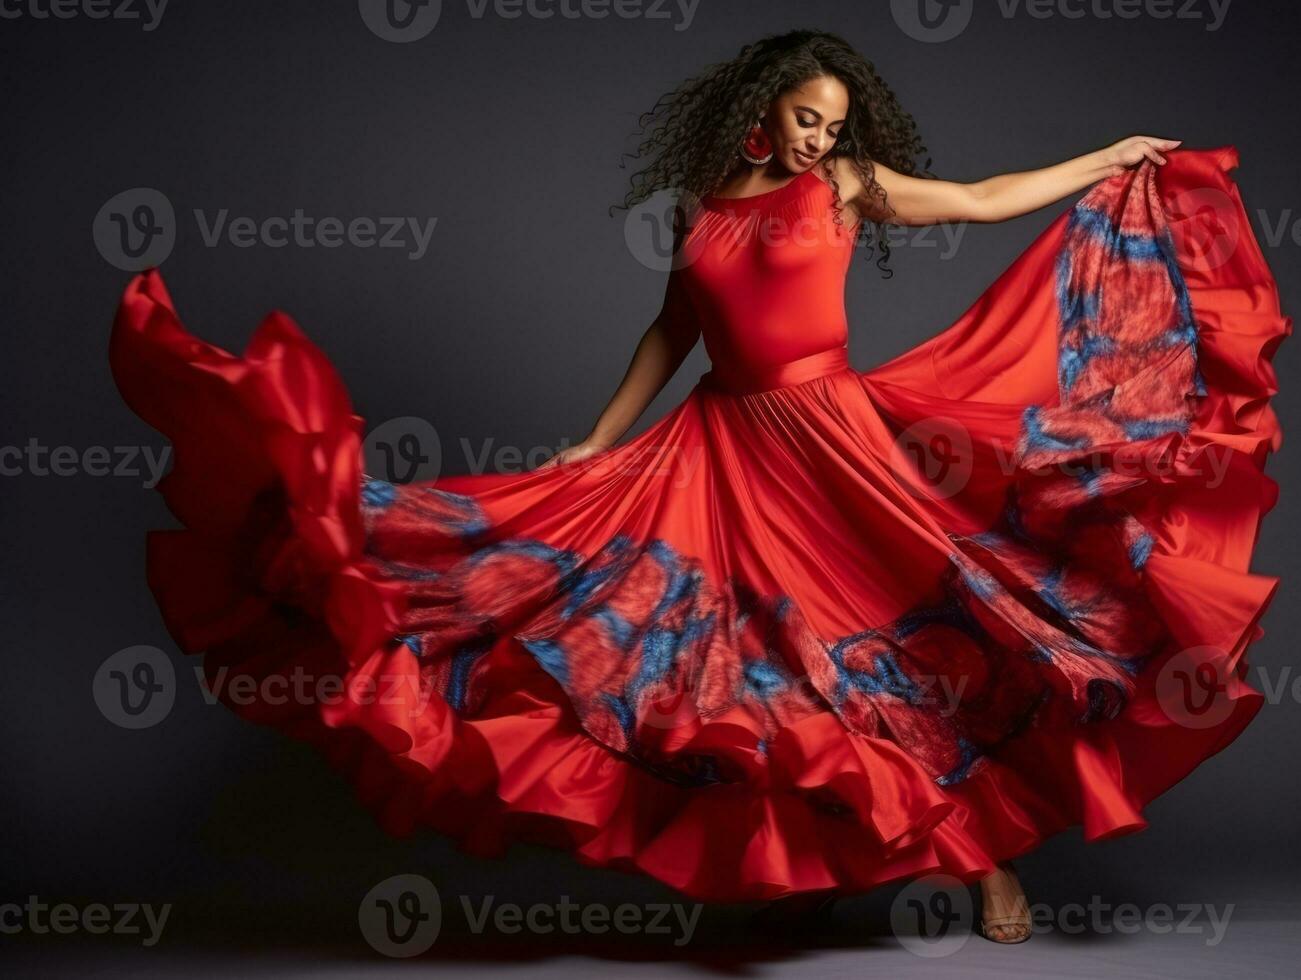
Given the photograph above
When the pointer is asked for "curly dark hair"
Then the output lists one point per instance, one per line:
(697, 129)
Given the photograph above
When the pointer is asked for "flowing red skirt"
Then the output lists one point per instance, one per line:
(857, 627)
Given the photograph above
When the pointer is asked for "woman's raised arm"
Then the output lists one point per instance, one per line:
(924, 201)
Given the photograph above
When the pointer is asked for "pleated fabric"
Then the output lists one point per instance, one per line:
(815, 627)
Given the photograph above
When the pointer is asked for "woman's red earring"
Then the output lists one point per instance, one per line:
(757, 148)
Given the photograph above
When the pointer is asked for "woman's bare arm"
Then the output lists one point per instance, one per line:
(922, 201)
(660, 352)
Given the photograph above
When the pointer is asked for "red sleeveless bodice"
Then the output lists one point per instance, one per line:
(764, 277)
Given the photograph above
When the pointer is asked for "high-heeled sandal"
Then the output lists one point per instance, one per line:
(1021, 919)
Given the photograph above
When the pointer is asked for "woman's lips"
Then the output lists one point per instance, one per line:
(805, 158)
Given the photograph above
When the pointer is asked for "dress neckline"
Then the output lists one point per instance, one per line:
(754, 201)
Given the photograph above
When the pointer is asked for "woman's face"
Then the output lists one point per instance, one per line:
(803, 123)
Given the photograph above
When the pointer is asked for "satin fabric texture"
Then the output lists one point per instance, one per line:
(814, 628)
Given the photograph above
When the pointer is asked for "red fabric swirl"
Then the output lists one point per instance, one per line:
(279, 567)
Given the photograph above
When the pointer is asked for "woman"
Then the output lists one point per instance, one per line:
(815, 629)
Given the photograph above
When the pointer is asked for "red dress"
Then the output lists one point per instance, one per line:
(815, 627)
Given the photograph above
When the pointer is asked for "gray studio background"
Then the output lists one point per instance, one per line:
(512, 329)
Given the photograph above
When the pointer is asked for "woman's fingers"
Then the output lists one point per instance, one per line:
(571, 454)
(1149, 147)
(1157, 145)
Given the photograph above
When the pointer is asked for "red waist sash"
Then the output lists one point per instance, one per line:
(738, 379)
